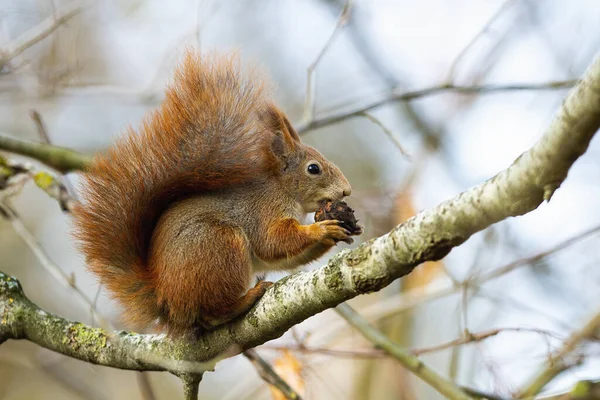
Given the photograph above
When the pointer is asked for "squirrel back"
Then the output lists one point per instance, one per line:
(208, 134)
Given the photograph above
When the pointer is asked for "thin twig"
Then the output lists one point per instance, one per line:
(39, 32)
(43, 132)
(474, 39)
(61, 276)
(377, 353)
(345, 353)
(559, 361)
(410, 362)
(535, 258)
(433, 90)
(95, 302)
(269, 375)
(40, 125)
(309, 105)
(474, 338)
(388, 132)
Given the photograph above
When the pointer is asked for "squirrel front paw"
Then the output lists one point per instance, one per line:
(331, 232)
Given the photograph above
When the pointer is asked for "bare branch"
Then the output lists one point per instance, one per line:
(309, 106)
(65, 194)
(377, 353)
(270, 376)
(451, 71)
(60, 158)
(191, 383)
(389, 133)
(433, 90)
(562, 359)
(412, 363)
(21, 319)
(40, 125)
(474, 338)
(39, 32)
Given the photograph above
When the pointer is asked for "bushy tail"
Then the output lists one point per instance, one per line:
(206, 135)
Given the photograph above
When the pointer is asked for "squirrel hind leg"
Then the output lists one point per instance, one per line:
(202, 278)
(241, 307)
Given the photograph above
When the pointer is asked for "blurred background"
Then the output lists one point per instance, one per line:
(90, 69)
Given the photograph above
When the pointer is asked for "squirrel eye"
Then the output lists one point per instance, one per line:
(313, 169)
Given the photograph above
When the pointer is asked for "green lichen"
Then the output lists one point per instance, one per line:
(252, 319)
(81, 336)
(334, 279)
(43, 180)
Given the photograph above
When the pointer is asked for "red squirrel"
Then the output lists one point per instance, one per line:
(177, 217)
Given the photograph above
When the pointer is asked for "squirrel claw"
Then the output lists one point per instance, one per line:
(333, 232)
(263, 285)
(358, 231)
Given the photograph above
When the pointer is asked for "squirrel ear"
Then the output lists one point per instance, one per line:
(280, 124)
(279, 147)
(285, 139)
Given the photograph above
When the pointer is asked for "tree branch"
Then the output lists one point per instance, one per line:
(60, 158)
(433, 90)
(268, 375)
(410, 362)
(39, 32)
(191, 383)
(309, 102)
(22, 319)
(561, 361)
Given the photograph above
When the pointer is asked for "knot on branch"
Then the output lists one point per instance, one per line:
(436, 248)
(10, 294)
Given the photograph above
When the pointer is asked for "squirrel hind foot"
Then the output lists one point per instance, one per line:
(208, 323)
(243, 305)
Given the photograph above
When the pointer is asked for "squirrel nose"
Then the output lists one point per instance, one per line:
(346, 192)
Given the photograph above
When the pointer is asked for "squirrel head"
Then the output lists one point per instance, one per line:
(306, 175)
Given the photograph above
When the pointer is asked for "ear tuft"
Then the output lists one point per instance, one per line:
(277, 121)
(285, 140)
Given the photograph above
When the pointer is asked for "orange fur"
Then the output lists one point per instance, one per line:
(176, 217)
(204, 136)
